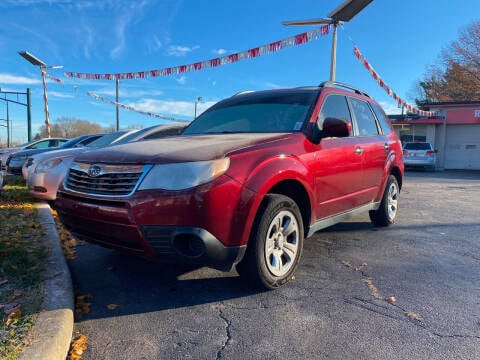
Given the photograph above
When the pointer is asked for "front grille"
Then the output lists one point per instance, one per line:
(104, 179)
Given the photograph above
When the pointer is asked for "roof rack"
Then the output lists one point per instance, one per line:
(346, 86)
(242, 92)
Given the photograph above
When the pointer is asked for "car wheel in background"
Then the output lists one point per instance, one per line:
(275, 244)
(387, 212)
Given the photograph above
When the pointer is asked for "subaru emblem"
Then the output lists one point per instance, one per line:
(94, 171)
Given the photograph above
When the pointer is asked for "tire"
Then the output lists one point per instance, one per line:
(275, 245)
(388, 210)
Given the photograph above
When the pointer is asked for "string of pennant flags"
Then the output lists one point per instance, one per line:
(131, 108)
(60, 81)
(387, 88)
(272, 47)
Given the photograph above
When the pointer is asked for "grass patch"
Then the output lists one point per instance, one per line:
(22, 261)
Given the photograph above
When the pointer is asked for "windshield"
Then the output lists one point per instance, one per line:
(264, 112)
(70, 143)
(106, 139)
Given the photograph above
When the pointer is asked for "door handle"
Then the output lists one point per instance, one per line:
(358, 150)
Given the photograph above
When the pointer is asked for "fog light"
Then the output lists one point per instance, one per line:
(189, 245)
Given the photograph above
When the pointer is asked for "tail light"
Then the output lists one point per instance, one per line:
(430, 153)
(405, 152)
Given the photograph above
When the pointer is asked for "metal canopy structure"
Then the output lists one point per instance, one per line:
(43, 68)
(343, 13)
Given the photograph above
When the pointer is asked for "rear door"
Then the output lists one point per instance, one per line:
(372, 144)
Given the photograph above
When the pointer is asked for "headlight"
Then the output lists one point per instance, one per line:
(18, 158)
(46, 165)
(181, 176)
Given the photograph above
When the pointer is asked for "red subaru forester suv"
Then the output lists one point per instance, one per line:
(245, 182)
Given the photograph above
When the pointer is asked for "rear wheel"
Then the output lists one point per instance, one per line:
(387, 212)
(275, 244)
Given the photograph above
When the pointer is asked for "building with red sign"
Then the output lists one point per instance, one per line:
(454, 132)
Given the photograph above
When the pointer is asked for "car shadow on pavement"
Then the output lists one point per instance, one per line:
(135, 285)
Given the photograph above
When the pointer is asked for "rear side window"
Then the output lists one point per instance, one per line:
(334, 106)
(365, 120)
(382, 119)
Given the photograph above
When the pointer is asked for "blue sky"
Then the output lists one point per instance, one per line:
(400, 39)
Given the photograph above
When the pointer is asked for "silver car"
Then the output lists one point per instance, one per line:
(48, 170)
(419, 154)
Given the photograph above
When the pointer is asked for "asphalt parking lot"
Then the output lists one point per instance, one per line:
(339, 306)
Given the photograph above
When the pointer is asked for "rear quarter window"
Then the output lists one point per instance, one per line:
(382, 119)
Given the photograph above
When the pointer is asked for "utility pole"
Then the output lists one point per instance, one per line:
(17, 101)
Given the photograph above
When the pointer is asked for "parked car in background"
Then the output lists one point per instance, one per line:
(154, 132)
(48, 170)
(36, 144)
(419, 154)
(16, 159)
(243, 184)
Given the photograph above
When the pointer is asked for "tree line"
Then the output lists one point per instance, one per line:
(456, 75)
(67, 127)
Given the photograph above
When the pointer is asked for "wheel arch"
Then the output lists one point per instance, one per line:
(297, 192)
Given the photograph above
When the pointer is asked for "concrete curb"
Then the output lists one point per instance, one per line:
(52, 331)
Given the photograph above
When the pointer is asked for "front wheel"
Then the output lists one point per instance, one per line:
(387, 212)
(275, 244)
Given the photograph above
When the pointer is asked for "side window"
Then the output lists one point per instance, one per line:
(40, 145)
(365, 120)
(382, 119)
(334, 106)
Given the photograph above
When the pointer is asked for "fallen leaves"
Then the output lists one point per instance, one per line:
(77, 347)
(413, 316)
(373, 289)
(68, 242)
(112, 306)
(375, 292)
(82, 306)
(390, 299)
(22, 259)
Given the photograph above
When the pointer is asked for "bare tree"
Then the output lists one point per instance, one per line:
(69, 128)
(457, 76)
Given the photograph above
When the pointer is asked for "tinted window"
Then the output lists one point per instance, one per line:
(334, 106)
(417, 146)
(40, 145)
(267, 112)
(382, 119)
(365, 121)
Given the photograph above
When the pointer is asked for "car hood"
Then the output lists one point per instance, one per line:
(31, 152)
(59, 153)
(178, 149)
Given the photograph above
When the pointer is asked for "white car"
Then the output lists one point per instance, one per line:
(36, 144)
(48, 170)
(419, 154)
(45, 171)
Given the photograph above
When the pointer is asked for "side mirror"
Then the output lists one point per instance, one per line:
(332, 127)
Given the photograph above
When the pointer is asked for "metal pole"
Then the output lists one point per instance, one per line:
(29, 116)
(8, 127)
(116, 105)
(47, 116)
(334, 53)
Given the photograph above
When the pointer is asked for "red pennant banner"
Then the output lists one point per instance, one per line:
(130, 108)
(54, 79)
(384, 86)
(229, 59)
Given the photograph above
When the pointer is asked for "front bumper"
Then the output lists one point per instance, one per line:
(203, 226)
